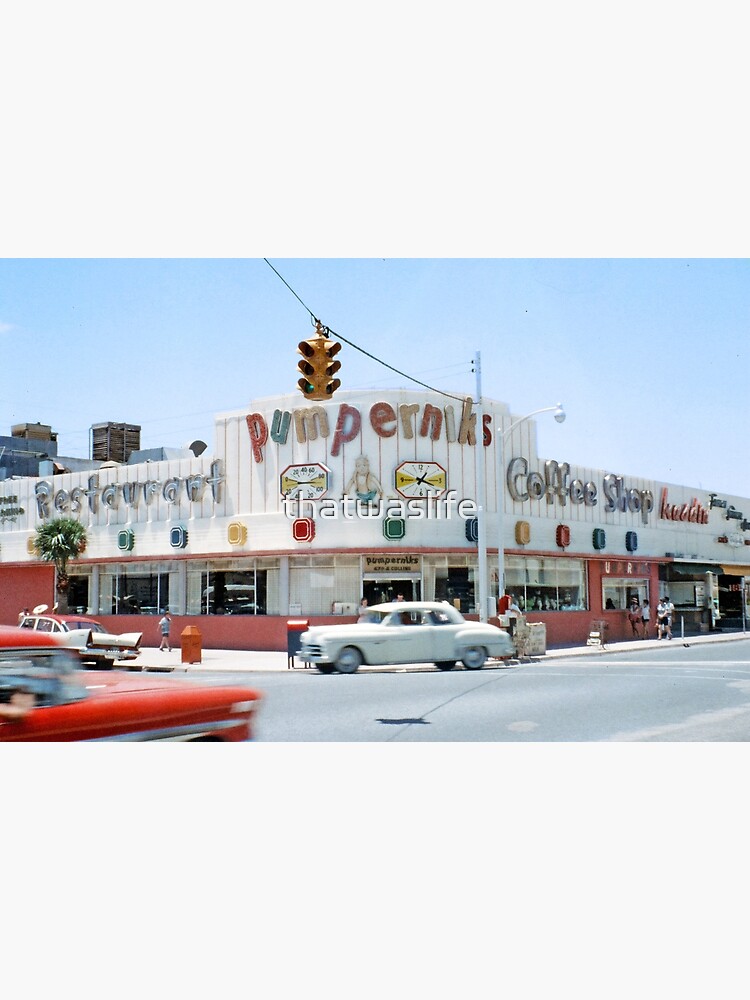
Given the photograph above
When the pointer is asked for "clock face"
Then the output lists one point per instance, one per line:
(304, 482)
(421, 479)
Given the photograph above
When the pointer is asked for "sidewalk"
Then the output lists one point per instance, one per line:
(257, 661)
(630, 645)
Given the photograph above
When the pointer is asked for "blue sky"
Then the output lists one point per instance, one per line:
(649, 356)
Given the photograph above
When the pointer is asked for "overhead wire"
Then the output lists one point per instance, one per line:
(315, 320)
(356, 347)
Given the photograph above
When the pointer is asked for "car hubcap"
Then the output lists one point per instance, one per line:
(349, 661)
(474, 658)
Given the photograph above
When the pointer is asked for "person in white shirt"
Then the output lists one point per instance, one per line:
(670, 615)
(364, 611)
(664, 611)
(513, 613)
(645, 618)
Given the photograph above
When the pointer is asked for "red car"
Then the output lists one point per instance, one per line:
(46, 697)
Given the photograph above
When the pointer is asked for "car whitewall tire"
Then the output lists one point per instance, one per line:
(474, 657)
(349, 660)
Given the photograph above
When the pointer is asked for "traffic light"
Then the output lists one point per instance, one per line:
(318, 366)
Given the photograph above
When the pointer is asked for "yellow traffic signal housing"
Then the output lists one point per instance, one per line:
(318, 366)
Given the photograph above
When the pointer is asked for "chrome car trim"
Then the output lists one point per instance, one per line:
(170, 734)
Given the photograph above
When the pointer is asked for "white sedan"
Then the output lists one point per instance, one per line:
(94, 644)
(404, 632)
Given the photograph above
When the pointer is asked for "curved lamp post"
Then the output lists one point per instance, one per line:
(559, 417)
(483, 597)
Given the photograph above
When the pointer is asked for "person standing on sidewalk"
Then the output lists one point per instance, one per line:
(364, 611)
(645, 618)
(670, 614)
(635, 617)
(164, 625)
(661, 618)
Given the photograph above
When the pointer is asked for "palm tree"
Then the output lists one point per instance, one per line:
(58, 541)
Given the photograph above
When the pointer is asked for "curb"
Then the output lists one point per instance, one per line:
(274, 661)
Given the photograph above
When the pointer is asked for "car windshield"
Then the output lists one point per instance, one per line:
(415, 616)
(48, 673)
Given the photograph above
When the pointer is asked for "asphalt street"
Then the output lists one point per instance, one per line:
(271, 661)
(639, 691)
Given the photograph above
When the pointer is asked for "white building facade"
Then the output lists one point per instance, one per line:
(301, 509)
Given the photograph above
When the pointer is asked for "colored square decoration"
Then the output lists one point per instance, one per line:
(125, 540)
(562, 535)
(394, 528)
(178, 537)
(599, 538)
(523, 533)
(303, 529)
(237, 533)
(472, 529)
(631, 541)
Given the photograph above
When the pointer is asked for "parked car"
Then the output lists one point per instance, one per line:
(404, 632)
(94, 644)
(45, 696)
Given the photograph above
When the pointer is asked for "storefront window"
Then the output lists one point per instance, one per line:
(233, 592)
(546, 584)
(134, 593)
(232, 587)
(618, 592)
(324, 585)
(455, 584)
(78, 595)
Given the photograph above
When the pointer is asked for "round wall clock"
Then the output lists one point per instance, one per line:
(421, 479)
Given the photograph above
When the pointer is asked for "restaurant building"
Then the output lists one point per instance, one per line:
(299, 509)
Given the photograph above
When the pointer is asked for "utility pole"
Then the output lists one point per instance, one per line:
(482, 580)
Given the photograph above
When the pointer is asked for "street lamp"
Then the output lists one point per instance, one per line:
(501, 436)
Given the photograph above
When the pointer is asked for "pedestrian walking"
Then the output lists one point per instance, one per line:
(364, 611)
(634, 617)
(645, 618)
(164, 625)
(661, 618)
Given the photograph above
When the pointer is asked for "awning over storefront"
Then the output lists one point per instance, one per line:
(736, 570)
(693, 569)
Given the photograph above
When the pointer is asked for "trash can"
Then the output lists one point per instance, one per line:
(537, 642)
(190, 644)
(597, 633)
(294, 629)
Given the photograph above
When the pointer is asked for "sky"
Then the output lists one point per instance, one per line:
(649, 357)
